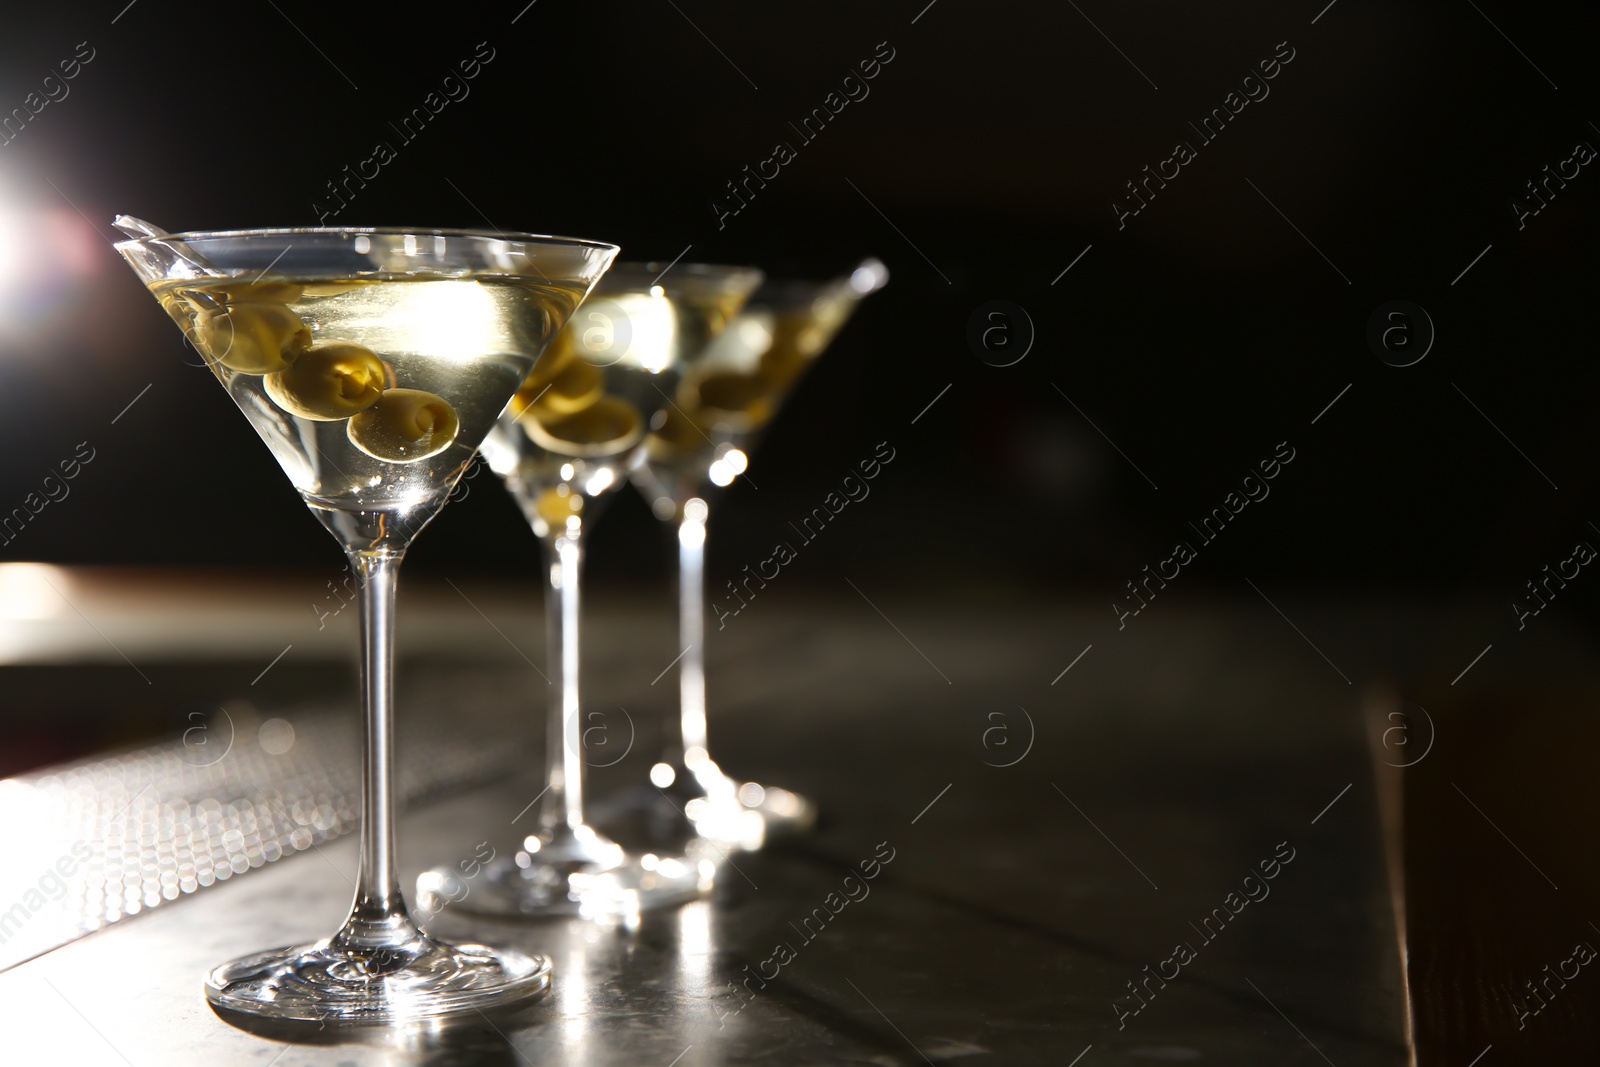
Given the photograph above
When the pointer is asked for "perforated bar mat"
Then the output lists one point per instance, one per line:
(94, 842)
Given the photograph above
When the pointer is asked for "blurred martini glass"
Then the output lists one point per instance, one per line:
(565, 443)
(372, 362)
(702, 442)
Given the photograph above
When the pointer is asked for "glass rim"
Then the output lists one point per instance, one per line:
(796, 291)
(515, 236)
(787, 292)
(702, 270)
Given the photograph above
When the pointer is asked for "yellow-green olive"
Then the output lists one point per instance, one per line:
(404, 426)
(557, 504)
(608, 426)
(797, 338)
(551, 362)
(263, 293)
(674, 433)
(329, 381)
(574, 387)
(782, 363)
(251, 338)
(745, 400)
(333, 288)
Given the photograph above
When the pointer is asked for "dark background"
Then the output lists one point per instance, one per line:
(1220, 321)
(1196, 338)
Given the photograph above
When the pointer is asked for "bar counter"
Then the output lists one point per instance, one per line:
(1165, 843)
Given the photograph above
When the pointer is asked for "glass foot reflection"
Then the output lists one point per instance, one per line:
(328, 983)
(723, 811)
(783, 812)
(571, 872)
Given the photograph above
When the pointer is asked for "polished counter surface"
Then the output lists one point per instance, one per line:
(1168, 851)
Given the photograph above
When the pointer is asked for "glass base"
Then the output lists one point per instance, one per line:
(784, 813)
(707, 803)
(570, 872)
(323, 983)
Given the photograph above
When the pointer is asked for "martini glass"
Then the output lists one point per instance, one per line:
(702, 442)
(563, 445)
(372, 362)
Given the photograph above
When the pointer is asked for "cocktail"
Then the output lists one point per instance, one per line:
(372, 362)
(701, 442)
(563, 445)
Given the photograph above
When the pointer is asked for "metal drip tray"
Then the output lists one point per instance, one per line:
(236, 792)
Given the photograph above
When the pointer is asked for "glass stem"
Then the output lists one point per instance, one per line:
(378, 918)
(691, 634)
(563, 801)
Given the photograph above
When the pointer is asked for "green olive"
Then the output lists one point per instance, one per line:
(674, 433)
(405, 425)
(551, 363)
(264, 293)
(252, 338)
(556, 505)
(797, 338)
(746, 399)
(574, 387)
(783, 362)
(606, 427)
(329, 382)
(333, 288)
